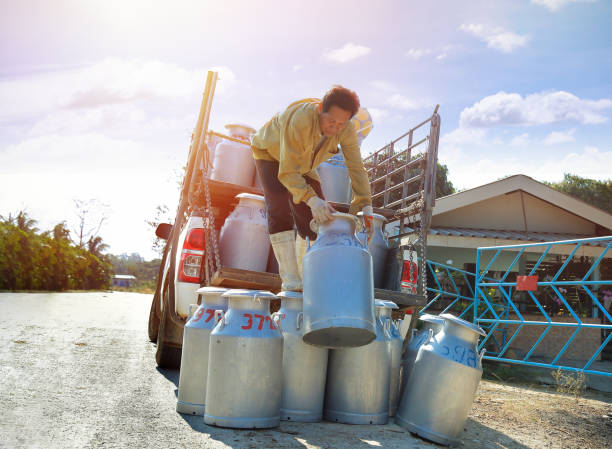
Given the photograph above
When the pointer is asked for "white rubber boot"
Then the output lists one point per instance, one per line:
(283, 244)
(300, 251)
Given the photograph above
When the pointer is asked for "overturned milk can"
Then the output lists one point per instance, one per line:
(244, 242)
(377, 247)
(433, 322)
(245, 364)
(194, 358)
(357, 389)
(338, 286)
(233, 159)
(304, 366)
(443, 383)
(335, 180)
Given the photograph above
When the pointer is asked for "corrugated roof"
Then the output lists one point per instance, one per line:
(124, 276)
(506, 235)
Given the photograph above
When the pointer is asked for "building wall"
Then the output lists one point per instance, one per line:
(505, 212)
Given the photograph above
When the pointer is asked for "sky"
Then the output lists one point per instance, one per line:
(98, 99)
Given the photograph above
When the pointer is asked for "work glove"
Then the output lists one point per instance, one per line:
(368, 221)
(321, 210)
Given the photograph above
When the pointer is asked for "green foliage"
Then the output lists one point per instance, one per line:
(145, 271)
(443, 185)
(47, 261)
(592, 191)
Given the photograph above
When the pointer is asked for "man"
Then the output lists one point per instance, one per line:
(287, 150)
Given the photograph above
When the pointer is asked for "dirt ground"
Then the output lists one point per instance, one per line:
(77, 370)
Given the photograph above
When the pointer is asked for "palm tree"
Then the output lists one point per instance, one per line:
(22, 221)
(95, 246)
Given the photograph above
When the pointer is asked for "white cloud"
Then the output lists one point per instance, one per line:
(402, 102)
(557, 137)
(297, 68)
(469, 171)
(377, 114)
(495, 37)
(535, 109)
(555, 5)
(418, 53)
(108, 82)
(520, 141)
(347, 53)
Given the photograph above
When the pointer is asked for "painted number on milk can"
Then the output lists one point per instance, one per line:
(459, 355)
(261, 318)
(198, 315)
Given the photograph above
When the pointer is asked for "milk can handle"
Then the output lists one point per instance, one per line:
(219, 316)
(276, 318)
(482, 353)
(299, 320)
(431, 334)
(387, 328)
(192, 307)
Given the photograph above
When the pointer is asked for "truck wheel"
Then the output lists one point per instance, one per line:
(167, 355)
(153, 320)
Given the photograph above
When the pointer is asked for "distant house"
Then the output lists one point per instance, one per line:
(123, 280)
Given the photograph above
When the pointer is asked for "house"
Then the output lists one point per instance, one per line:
(520, 210)
(123, 280)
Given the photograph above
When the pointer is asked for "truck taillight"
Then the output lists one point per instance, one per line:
(191, 257)
(195, 239)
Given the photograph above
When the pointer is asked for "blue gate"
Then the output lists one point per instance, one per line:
(562, 320)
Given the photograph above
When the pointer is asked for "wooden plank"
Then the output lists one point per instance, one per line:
(251, 280)
(401, 299)
(223, 194)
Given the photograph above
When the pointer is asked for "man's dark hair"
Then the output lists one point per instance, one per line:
(343, 98)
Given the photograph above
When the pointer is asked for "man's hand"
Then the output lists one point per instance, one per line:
(321, 210)
(368, 221)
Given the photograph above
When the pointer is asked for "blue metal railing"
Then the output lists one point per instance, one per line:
(453, 292)
(555, 286)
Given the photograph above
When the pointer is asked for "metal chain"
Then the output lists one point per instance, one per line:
(210, 225)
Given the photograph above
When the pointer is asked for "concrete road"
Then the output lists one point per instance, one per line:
(77, 371)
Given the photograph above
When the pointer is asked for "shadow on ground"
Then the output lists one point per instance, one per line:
(477, 436)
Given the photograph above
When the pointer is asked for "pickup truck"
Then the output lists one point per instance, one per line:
(402, 176)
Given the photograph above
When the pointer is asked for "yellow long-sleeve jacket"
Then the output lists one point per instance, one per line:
(291, 138)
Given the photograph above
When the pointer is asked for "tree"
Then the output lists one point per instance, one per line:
(443, 185)
(592, 191)
(91, 216)
(162, 215)
(95, 246)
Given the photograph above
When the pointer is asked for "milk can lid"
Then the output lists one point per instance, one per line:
(376, 216)
(250, 196)
(211, 290)
(459, 321)
(379, 303)
(431, 318)
(238, 292)
(290, 295)
(390, 304)
(339, 215)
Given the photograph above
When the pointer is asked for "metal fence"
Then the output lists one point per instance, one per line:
(561, 312)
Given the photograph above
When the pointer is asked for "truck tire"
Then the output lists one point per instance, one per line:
(153, 320)
(168, 354)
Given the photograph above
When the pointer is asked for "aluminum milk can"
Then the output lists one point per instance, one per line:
(358, 379)
(194, 358)
(304, 366)
(245, 364)
(335, 180)
(338, 286)
(429, 322)
(395, 350)
(443, 383)
(377, 247)
(244, 241)
(233, 161)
